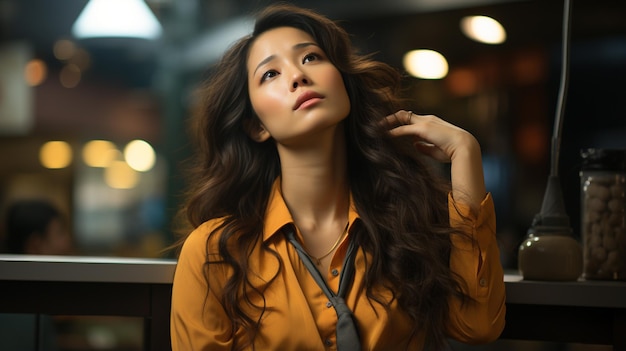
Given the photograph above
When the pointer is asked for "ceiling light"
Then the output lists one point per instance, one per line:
(116, 19)
(483, 29)
(426, 64)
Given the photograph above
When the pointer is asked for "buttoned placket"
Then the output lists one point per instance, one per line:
(335, 289)
(327, 309)
(332, 280)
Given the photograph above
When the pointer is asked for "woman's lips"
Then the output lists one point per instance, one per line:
(306, 99)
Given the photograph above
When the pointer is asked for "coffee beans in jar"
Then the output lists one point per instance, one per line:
(603, 215)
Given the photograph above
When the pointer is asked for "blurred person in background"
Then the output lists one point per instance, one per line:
(33, 227)
(36, 227)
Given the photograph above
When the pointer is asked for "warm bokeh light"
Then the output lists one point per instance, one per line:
(139, 155)
(64, 49)
(483, 29)
(426, 64)
(35, 72)
(81, 58)
(55, 154)
(100, 153)
(119, 175)
(462, 82)
(529, 67)
(70, 76)
(531, 142)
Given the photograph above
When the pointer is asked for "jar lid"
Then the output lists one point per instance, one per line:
(603, 159)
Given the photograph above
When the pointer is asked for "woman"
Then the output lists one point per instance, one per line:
(300, 136)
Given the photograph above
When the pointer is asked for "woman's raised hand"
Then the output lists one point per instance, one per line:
(445, 142)
(432, 135)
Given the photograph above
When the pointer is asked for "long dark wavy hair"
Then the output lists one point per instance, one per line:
(401, 201)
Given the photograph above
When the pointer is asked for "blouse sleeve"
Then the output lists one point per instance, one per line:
(475, 258)
(198, 320)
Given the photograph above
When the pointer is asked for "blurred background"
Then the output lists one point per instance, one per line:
(95, 95)
(93, 109)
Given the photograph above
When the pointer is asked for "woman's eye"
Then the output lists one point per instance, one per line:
(309, 58)
(267, 75)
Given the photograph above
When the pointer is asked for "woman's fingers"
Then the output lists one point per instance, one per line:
(400, 118)
(431, 135)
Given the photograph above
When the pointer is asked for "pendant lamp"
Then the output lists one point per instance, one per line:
(117, 19)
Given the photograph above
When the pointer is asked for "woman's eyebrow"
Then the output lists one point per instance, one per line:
(271, 57)
(303, 45)
(264, 61)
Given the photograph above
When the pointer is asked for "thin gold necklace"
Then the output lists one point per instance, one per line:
(318, 260)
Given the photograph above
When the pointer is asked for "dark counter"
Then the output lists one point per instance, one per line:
(592, 312)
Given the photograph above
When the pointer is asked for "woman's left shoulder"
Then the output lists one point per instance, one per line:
(201, 238)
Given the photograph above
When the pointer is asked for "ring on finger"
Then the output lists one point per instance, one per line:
(410, 117)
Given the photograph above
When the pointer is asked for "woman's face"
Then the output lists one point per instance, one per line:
(294, 89)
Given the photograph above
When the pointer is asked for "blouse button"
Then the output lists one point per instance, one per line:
(482, 282)
(335, 272)
(329, 304)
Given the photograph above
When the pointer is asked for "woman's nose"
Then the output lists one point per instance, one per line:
(299, 79)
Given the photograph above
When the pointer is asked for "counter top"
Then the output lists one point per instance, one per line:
(584, 293)
(591, 312)
(161, 271)
(86, 269)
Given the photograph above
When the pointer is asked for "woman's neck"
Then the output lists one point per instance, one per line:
(315, 183)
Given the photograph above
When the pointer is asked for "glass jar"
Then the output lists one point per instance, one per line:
(603, 219)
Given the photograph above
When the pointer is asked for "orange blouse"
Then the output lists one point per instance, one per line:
(297, 316)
